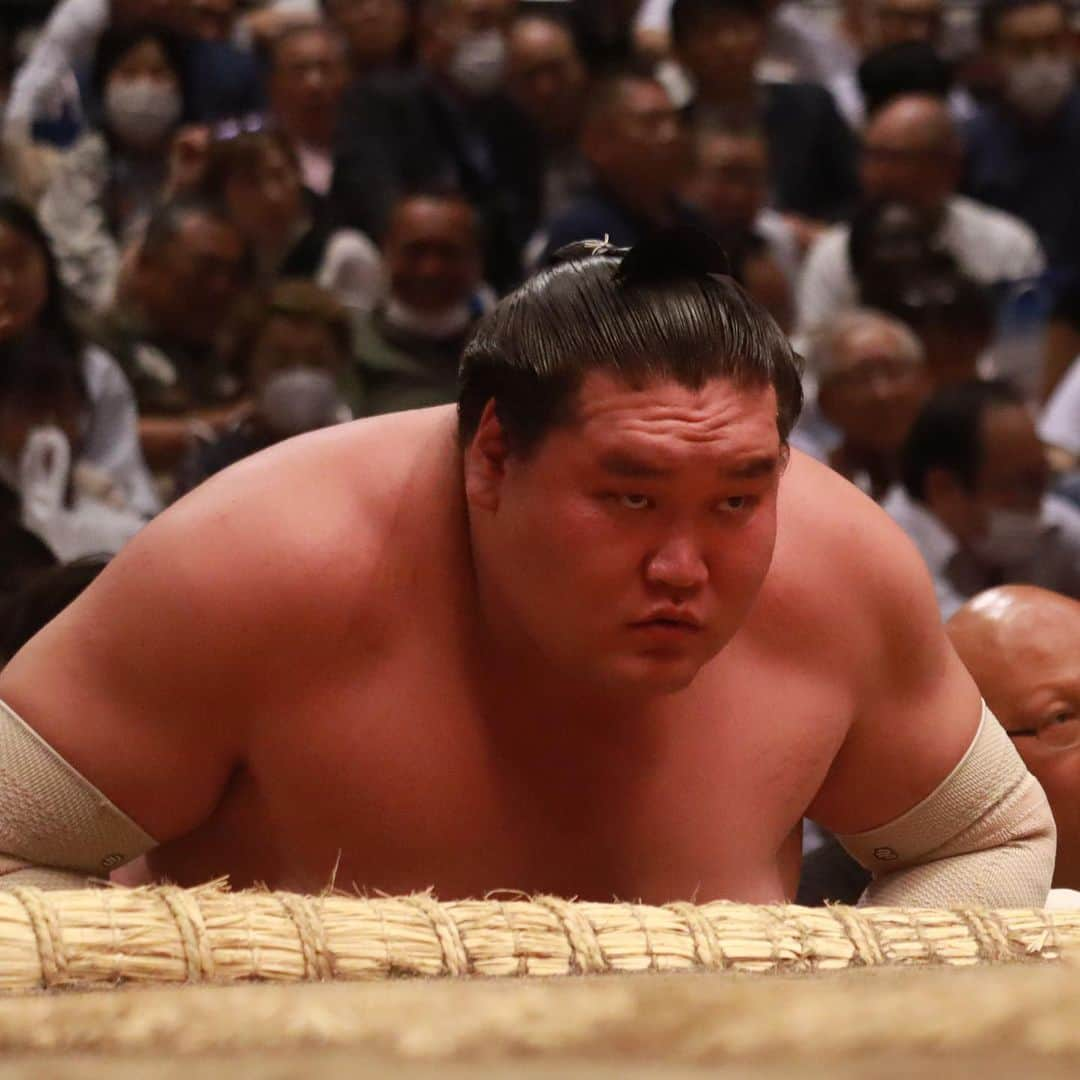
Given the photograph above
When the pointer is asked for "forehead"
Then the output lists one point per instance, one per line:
(721, 147)
(304, 45)
(1031, 21)
(199, 233)
(432, 219)
(538, 39)
(641, 97)
(1007, 429)
(673, 424)
(868, 340)
(909, 7)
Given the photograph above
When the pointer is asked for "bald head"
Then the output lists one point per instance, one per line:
(1022, 646)
(911, 152)
(1019, 641)
(546, 74)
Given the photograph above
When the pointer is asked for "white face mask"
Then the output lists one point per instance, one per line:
(1038, 86)
(299, 399)
(478, 63)
(142, 111)
(1012, 537)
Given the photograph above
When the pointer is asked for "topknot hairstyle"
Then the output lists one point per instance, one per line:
(664, 309)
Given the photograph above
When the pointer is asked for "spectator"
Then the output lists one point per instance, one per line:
(378, 32)
(974, 497)
(102, 190)
(911, 155)
(799, 45)
(307, 80)
(548, 82)
(1021, 645)
(872, 380)
(223, 77)
(730, 186)
(256, 178)
(757, 270)
(634, 141)
(1023, 151)
(811, 150)
(186, 276)
(447, 123)
(408, 350)
(68, 437)
(294, 346)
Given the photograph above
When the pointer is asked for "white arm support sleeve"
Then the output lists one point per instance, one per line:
(984, 836)
(56, 829)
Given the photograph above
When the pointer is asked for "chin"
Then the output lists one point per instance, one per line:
(651, 675)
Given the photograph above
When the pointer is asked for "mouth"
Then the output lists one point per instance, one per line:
(671, 624)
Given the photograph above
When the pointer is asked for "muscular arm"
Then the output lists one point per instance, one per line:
(139, 688)
(980, 834)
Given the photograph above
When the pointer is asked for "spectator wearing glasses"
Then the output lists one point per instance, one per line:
(307, 80)
(974, 497)
(1021, 644)
(872, 380)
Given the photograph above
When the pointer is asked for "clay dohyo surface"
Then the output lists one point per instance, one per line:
(993, 1022)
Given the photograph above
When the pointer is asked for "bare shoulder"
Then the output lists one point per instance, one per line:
(305, 520)
(844, 567)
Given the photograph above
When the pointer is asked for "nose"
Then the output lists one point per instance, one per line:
(677, 566)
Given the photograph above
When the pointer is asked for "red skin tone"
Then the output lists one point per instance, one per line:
(425, 681)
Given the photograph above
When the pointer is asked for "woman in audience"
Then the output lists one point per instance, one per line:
(103, 189)
(256, 177)
(69, 444)
(294, 345)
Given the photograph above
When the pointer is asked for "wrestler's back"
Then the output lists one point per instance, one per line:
(348, 721)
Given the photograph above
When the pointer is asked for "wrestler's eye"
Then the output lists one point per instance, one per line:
(635, 502)
(734, 503)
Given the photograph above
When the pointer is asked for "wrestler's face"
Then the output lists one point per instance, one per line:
(627, 549)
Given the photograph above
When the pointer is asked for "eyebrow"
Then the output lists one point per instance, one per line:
(620, 464)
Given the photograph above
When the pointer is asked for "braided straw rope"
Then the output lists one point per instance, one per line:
(170, 935)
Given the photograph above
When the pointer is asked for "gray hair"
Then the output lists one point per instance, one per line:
(832, 337)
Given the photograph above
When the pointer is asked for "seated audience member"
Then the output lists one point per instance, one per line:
(547, 80)
(635, 143)
(102, 190)
(445, 123)
(800, 46)
(1022, 644)
(1023, 150)
(378, 33)
(187, 273)
(256, 179)
(308, 74)
(729, 185)
(911, 156)
(69, 444)
(408, 350)
(811, 149)
(223, 77)
(759, 272)
(294, 344)
(872, 380)
(974, 497)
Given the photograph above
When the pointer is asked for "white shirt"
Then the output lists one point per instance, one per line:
(1060, 421)
(351, 269)
(958, 577)
(988, 244)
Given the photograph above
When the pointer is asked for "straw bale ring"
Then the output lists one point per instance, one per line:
(104, 982)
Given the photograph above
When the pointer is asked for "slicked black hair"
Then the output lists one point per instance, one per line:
(664, 310)
(947, 433)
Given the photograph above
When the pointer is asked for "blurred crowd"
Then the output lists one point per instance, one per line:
(223, 224)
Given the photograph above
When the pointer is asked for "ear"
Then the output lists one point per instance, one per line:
(485, 461)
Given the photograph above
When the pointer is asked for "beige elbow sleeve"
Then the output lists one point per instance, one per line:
(56, 829)
(985, 836)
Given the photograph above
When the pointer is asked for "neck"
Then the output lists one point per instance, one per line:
(652, 204)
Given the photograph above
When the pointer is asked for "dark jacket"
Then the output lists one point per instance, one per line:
(401, 131)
